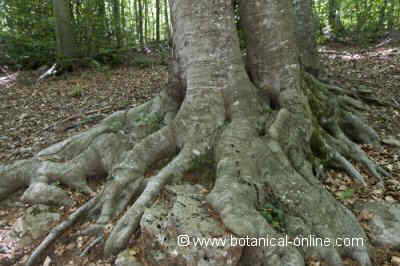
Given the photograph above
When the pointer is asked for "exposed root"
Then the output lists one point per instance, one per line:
(335, 131)
(130, 172)
(239, 191)
(357, 130)
(248, 177)
(100, 151)
(130, 221)
(342, 162)
(327, 218)
(352, 98)
(92, 153)
(241, 186)
(58, 230)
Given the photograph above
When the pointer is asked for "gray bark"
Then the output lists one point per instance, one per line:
(66, 41)
(306, 35)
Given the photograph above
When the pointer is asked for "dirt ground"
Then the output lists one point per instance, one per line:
(34, 115)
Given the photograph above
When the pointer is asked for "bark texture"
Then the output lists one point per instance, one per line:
(265, 133)
(66, 41)
(306, 35)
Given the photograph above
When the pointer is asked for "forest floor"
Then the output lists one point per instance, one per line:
(34, 115)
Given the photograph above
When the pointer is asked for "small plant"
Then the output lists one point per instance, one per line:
(77, 91)
(152, 120)
(346, 194)
(203, 160)
(273, 215)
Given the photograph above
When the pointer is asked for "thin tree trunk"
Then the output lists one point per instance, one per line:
(334, 17)
(382, 16)
(166, 17)
(123, 18)
(146, 22)
(158, 20)
(137, 20)
(141, 33)
(117, 21)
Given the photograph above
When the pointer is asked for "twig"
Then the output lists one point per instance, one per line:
(396, 102)
(8, 79)
(92, 244)
(59, 229)
(50, 71)
(73, 117)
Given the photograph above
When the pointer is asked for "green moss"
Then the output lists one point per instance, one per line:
(204, 160)
(155, 121)
(273, 215)
(116, 125)
(346, 194)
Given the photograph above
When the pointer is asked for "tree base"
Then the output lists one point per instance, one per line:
(252, 169)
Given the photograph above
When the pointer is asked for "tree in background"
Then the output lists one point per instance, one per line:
(109, 26)
(66, 40)
(88, 29)
(357, 20)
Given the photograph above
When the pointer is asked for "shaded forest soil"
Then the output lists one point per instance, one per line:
(35, 115)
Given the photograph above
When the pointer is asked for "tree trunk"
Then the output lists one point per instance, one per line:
(212, 110)
(166, 18)
(116, 8)
(306, 36)
(137, 20)
(334, 17)
(380, 27)
(147, 34)
(66, 40)
(158, 21)
(141, 33)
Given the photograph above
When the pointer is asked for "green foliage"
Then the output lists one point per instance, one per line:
(143, 61)
(25, 51)
(105, 30)
(77, 91)
(154, 121)
(109, 57)
(27, 36)
(356, 20)
(274, 216)
(346, 194)
(203, 161)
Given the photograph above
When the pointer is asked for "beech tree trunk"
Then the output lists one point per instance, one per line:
(306, 35)
(264, 123)
(66, 39)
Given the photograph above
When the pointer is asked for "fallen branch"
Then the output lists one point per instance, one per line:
(52, 70)
(91, 245)
(73, 117)
(8, 80)
(59, 229)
